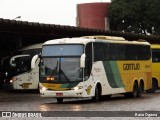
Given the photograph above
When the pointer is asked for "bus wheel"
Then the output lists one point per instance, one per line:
(139, 92)
(135, 90)
(59, 100)
(97, 94)
(154, 86)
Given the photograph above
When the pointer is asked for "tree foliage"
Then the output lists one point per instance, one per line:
(137, 16)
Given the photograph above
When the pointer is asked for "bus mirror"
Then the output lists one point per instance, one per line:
(40, 56)
(82, 61)
(12, 62)
(33, 61)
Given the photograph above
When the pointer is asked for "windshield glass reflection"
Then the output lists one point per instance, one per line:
(61, 69)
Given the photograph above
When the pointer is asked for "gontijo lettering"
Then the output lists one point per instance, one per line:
(131, 66)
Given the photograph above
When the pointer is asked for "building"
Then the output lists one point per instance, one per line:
(93, 15)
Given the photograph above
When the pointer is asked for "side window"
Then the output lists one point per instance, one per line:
(143, 52)
(147, 51)
(101, 51)
(116, 51)
(98, 51)
(155, 55)
(137, 52)
(130, 52)
(88, 61)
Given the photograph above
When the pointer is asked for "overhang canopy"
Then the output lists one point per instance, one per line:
(40, 29)
(32, 32)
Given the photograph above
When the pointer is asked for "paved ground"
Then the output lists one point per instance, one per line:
(31, 101)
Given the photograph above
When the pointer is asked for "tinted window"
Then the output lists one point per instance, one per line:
(88, 61)
(114, 51)
(155, 55)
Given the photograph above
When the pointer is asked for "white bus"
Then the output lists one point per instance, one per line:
(94, 67)
(19, 75)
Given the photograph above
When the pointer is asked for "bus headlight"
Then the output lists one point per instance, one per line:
(77, 88)
(6, 74)
(13, 79)
(42, 88)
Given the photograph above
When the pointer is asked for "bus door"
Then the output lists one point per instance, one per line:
(89, 62)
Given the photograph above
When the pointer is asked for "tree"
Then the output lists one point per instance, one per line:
(137, 16)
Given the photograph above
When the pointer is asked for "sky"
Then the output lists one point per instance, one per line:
(62, 12)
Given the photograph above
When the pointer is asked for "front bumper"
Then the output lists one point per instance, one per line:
(62, 94)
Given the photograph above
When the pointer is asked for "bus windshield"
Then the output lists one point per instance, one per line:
(61, 63)
(21, 65)
(21, 62)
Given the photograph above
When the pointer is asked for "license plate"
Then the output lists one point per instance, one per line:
(59, 94)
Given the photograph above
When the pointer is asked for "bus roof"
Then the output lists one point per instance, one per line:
(34, 46)
(105, 37)
(76, 40)
(86, 39)
(155, 46)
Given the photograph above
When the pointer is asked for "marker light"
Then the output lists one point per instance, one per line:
(50, 78)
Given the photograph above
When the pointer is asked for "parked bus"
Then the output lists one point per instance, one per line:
(93, 67)
(155, 67)
(19, 75)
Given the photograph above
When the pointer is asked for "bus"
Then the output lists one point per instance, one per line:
(94, 66)
(155, 67)
(19, 75)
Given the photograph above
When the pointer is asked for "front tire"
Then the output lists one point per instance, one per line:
(97, 94)
(154, 86)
